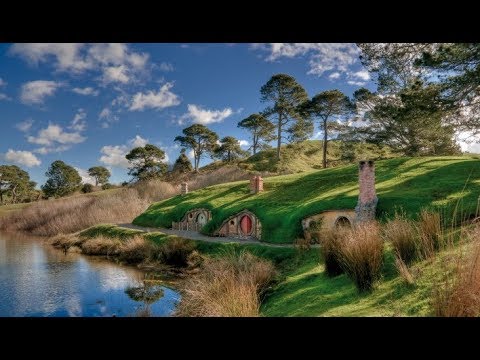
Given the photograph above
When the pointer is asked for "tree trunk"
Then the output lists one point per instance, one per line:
(1, 197)
(279, 140)
(96, 182)
(254, 145)
(325, 144)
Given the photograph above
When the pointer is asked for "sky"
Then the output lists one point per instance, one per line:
(89, 104)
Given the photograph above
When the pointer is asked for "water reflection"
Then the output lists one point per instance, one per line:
(38, 280)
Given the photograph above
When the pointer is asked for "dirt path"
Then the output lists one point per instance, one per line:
(197, 236)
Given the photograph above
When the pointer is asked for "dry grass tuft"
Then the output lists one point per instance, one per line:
(330, 248)
(101, 245)
(404, 271)
(227, 286)
(176, 252)
(403, 235)
(361, 255)
(431, 236)
(136, 250)
(459, 294)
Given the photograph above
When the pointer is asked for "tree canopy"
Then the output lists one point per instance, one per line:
(146, 162)
(229, 149)
(284, 94)
(200, 139)
(15, 182)
(100, 174)
(261, 130)
(182, 164)
(62, 180)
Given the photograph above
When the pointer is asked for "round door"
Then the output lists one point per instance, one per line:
(246, 225)
(201, 219)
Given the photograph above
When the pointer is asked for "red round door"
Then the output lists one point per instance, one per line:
(246, 225)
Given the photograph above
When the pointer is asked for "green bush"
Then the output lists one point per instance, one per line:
(87, 188)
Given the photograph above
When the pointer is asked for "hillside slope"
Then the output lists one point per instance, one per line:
(408, 183)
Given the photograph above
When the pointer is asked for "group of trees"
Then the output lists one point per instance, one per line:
(426, 94)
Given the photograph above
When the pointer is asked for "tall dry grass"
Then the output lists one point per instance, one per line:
(459, 293)
(330, 243)
(403, 235)
(361, 255)
(231, 285)
(431, 234)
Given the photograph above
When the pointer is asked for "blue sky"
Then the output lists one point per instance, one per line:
(88, 104)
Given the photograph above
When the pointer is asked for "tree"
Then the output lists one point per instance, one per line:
(260, 128)
(100, 173)
(182, 164)
(62, 180)
(410, 121)
(285, 95)
(330, 107)
(200, 139)
(229, 149)
(146, 162)
(16, 182)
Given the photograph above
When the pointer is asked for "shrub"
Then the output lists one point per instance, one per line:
(87, 188)
(361, 255)
(107, 186)
(101, 245)
(231, 285)
(176, 251)
(403, 235)
(136, 250)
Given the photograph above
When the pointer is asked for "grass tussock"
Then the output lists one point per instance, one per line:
(404, 271)
(227, 286)
(330, 243)
(101, 246)
(403, 235)
(459, 294)
(176, 252)
(136, 250)
(431, 235)
(361, 255)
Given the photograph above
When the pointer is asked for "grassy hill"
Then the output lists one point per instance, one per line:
(407, 183)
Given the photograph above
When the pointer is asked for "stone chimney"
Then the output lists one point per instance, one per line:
(184, 188)
(256, 184)
(367, 199)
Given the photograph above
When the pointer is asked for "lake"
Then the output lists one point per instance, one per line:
(39, 280)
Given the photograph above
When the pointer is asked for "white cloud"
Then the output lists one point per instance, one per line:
(4, 97)
(117, 62)
(78, 122)
(356, 83)
(244, 143)
(167, 67)
(47, 150)
(108, 117)
(55, 139)
(322, 57)
(191, 155)
(86, 91)
(113, 74)
(2, 82)
(162, 99)
(466, 143)
(86, 179)
(334, 75)
(66, 57)
(137, 141)
(362, 75)
(204, 116)
(114, 155)
(19, 157)
(35, 92)
(24, 126)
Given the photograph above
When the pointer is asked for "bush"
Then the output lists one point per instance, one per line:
(361, 255)
(227, 286)
(107, 186)
(87, 188)
(176, 251)
(403, 235)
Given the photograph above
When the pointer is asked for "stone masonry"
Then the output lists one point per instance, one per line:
(256, 184)
(367, 198)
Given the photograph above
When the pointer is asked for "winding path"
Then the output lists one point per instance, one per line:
(197, 236)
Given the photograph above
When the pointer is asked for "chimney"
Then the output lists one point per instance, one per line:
(367, 198)
(256, 184)
(184, 188)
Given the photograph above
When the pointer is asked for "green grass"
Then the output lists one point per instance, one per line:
(407, 183)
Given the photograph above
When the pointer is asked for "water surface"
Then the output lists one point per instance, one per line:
(39, 280)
